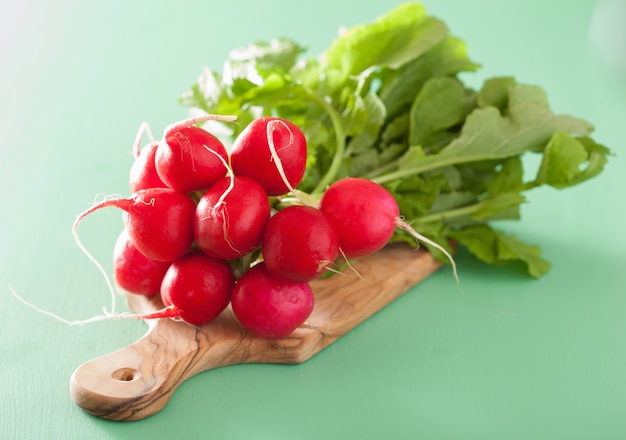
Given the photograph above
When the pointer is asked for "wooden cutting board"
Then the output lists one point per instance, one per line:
(138, 380)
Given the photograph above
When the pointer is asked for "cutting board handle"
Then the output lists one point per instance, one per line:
(138, 380)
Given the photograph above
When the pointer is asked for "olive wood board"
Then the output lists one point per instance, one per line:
(138, 380)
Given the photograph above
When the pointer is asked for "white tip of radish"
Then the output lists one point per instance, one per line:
(420, 238)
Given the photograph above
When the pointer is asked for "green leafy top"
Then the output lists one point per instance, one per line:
(385, 102)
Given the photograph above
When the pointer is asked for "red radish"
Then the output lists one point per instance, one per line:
(269, 306)
(190, 158)
(133, 271)
(365, 216)
(196, 288)
(230, 218)
(363, 212)
(299, 243)
(159, 221)
(252, 156)
(143, 172)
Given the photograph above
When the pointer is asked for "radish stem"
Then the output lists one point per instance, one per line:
(196, 119)
(143, 128)
(340, 142)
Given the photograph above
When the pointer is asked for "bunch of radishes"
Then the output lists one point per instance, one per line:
(205, 228)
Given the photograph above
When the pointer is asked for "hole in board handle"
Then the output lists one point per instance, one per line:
(125, 374)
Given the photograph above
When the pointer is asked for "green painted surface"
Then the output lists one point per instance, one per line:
(509, 358)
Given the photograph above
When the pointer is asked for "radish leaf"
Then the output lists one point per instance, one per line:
(386, 101)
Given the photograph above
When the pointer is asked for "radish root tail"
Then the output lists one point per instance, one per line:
(271, 127)
(167, 312)
(420, 238)
(350, 266)
(120, 203)
(231, 184)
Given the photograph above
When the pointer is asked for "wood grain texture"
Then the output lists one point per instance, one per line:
(138, 380)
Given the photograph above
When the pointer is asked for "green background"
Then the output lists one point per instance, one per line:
(509, 358)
